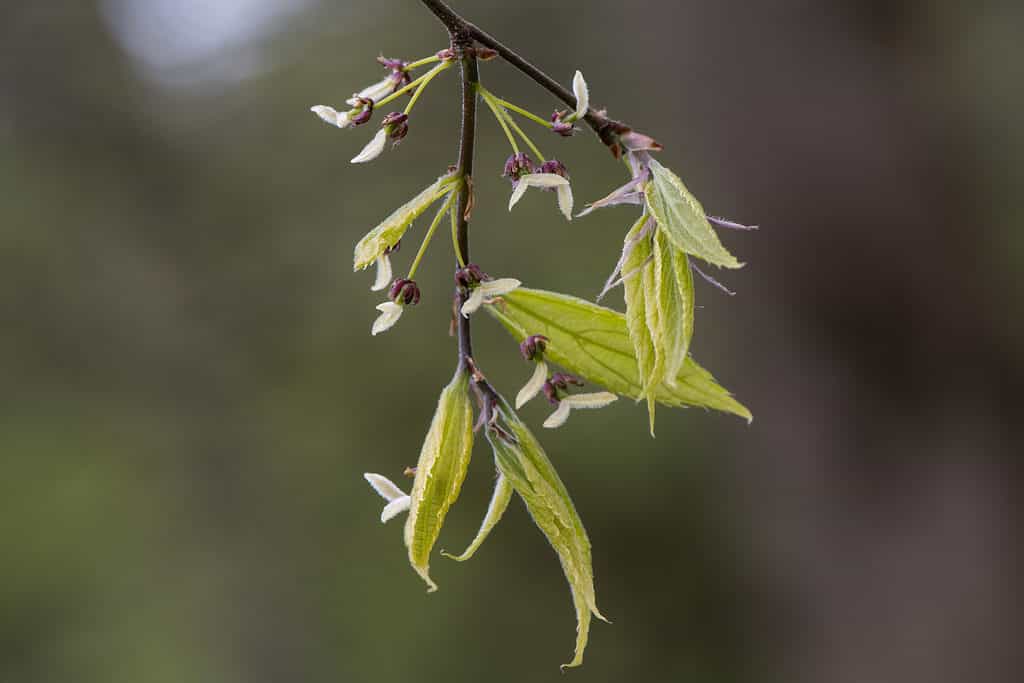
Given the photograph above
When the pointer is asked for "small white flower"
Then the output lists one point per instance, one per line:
(373, 148)
(390, 312)
(534, 385)
(383, 273)
(582, 92)
(545, 181)
(398, 500)
(341, 119)
(377, 91)
(577, 401)
(486, 291)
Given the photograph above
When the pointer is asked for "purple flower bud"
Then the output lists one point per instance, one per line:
(533, 346)
(392, 64)
(396, 125)
(469, 276)
(559, 382)
(406, 290)
(446, 55)
(517, 166)
(561, 127)
(554, 166)
(365, 107)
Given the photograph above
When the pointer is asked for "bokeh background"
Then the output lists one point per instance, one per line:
(190, 393)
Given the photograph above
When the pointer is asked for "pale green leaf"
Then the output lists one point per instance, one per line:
(593, 342)
(683, 219)
(499, 503)
(674, 293)
(439, 473)
(392, 228)
(523, 462)
(637, 268)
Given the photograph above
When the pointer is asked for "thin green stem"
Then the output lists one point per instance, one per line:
(524, 136)
(500, 115)
(430, 232)
(455, 241)
(409, 86)
(523, 112)
(427, 77)
(422, 62)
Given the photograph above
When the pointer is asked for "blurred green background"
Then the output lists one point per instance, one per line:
(190, 393)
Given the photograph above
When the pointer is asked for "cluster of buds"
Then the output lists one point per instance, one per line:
(482, 287)
(558, 384)
(516, 166)
(551, 175)
(397, 125)
(469, 276)
(556, 387)
(405, 290)
(399, 71)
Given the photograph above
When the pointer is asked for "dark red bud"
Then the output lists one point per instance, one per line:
(396, 124)
(517, 166)
(406, 290)
(559, 382)
(365, 107)
(554, 166)
(486, 54)
(446, 55)
(469, 276)
(561, 127)
(533, 346)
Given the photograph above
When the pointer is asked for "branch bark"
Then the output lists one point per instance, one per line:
(606, 129)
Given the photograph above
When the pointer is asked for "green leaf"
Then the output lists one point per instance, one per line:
(674, 294)
(439, 473)
(637, 268)
(593, 341)
(499, 503)
(683, 219)
(393, 227)
(523, 462)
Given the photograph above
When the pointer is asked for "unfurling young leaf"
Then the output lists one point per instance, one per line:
(439, 472)
(593, 342)
(682, 218)
(499, 503)
(522, 461)
(391, 229)
(637, 283)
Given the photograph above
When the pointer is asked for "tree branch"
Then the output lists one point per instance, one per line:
(467, 139)
(606, 129)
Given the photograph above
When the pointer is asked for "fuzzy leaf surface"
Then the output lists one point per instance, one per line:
(392, 228)
(527, 467)
(593, 341)
(682, 218)
(440, 472)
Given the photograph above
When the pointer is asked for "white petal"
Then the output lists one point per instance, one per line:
(327, 114)
(397, 506)
(582, 92)
(517, 193)
(596, 400)
(377, 91)
(558, 418)
(544, 180)
(533, 387)
(373, 148)
(390, 312)
(383, 273)
(493, 288)
(476, 298)
(565, 201)
(387, 489)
